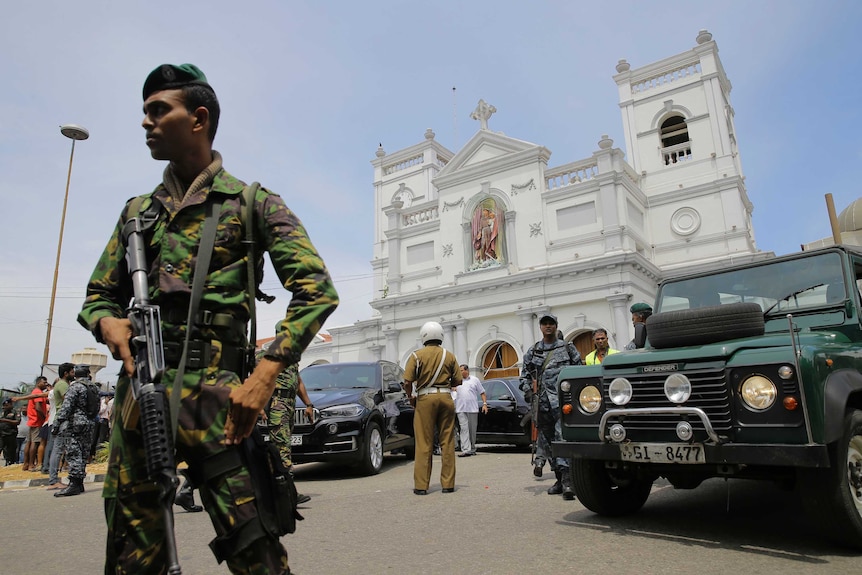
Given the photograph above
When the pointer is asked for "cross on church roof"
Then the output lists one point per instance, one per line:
(482, 112)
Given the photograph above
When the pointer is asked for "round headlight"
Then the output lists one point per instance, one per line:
(590, 399)
(620, 391)
(758, 392)
(566, 386)
(677, 388)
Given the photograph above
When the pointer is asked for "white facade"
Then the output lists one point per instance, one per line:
(486, 239)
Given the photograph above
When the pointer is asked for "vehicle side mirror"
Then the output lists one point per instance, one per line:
(640, 335)
(393, 387)
(506, 398)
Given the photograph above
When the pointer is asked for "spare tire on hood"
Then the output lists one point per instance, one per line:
(704, 325)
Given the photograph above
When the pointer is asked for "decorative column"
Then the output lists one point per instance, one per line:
(622, 325)
(461, 351)
(393, 235)
(447, 335)
(511, 246)
(391, 345)
(529, 320)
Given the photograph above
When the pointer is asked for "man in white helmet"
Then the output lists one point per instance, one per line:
(434, 371)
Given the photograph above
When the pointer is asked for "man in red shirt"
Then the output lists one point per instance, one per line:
(37, 412)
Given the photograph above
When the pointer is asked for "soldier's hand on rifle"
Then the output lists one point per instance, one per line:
(528, 395)
(116, 333)
(249, 399)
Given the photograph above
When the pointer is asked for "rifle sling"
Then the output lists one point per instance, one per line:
(205, 250)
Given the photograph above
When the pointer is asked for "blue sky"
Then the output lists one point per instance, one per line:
(309, 89)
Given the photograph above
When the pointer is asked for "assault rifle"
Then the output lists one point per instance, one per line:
(147, 390)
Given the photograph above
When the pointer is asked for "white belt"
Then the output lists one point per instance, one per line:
(431, 389)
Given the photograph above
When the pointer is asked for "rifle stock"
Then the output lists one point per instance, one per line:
(148, 403)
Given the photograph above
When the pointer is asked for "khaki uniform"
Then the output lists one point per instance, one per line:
(433, 409)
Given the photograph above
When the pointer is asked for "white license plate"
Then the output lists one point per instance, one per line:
(663, 452)
(296, 440)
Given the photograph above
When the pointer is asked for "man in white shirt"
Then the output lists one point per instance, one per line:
(467, 409)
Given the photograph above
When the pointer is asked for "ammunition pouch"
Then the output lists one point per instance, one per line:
(274, 491)
(200, 356)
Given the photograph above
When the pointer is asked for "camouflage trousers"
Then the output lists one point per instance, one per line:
(281, 425)
(77, 446)
(134, 506)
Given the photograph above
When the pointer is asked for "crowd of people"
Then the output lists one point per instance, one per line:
(57, 427)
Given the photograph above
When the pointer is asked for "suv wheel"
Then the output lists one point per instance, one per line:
(605, 491)
(372, 450)
(833, 497)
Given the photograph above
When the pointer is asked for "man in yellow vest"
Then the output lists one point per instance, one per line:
(603, 349)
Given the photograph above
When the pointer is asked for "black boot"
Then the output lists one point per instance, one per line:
(75, 487)
(557, 487)
(186, 499)
(566, 480)
(301, 498)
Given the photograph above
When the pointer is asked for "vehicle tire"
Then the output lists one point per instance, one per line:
(704, 325)
(372, 450)
(833, 497)
(611, 492)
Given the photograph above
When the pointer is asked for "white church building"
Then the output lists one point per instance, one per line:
(488, 238)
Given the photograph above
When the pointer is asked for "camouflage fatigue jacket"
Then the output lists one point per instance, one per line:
(563, 354)
(72, 416)
(172, 245)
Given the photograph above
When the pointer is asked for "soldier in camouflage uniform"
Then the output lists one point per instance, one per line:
(544, 361)
(76, 428)
(218, 410)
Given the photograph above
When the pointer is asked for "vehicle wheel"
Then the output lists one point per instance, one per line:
(610, 492)
(704, 325)
(833, 497)
(372, 450)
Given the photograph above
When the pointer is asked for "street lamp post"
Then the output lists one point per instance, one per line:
(74, 133)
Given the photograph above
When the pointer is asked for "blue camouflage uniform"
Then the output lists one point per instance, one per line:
(76, 428)
(563, 355)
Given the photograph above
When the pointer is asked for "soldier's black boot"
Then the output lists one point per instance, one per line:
(75, 487)
(185, 498)
(566, 480)
(557, 487)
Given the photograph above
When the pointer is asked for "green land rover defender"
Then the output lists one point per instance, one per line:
(748, 372)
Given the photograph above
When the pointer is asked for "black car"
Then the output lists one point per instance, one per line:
(506, 409)
(360, 412)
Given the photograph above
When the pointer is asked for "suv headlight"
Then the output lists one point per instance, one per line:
(620, 391)
(590, 399)
(347, 410)
(758, 392)
(677, 388)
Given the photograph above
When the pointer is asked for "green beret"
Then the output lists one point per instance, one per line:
(640, 308)
(170, 77)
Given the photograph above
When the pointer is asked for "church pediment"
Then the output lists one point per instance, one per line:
(485, 146)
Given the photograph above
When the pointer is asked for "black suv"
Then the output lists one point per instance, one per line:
(360, 412)
(748, 372)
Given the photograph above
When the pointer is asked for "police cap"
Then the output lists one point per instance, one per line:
(171, 77)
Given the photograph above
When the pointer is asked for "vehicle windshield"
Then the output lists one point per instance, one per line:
(331, 376)
(779, 287)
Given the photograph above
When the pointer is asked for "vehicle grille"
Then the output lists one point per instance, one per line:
(709, 392)
(300, 418)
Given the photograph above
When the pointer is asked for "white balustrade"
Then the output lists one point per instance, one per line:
(573, 173)
(421, 216)
(676, 154)
(666, 78)
(403, 165)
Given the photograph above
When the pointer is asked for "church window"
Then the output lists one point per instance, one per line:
(675, 144)
(500, 360)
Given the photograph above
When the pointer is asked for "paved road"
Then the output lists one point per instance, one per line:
(499, 521)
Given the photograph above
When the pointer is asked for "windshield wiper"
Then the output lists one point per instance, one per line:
(788, 296)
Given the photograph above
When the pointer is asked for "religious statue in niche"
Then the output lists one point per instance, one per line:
(487, 236)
